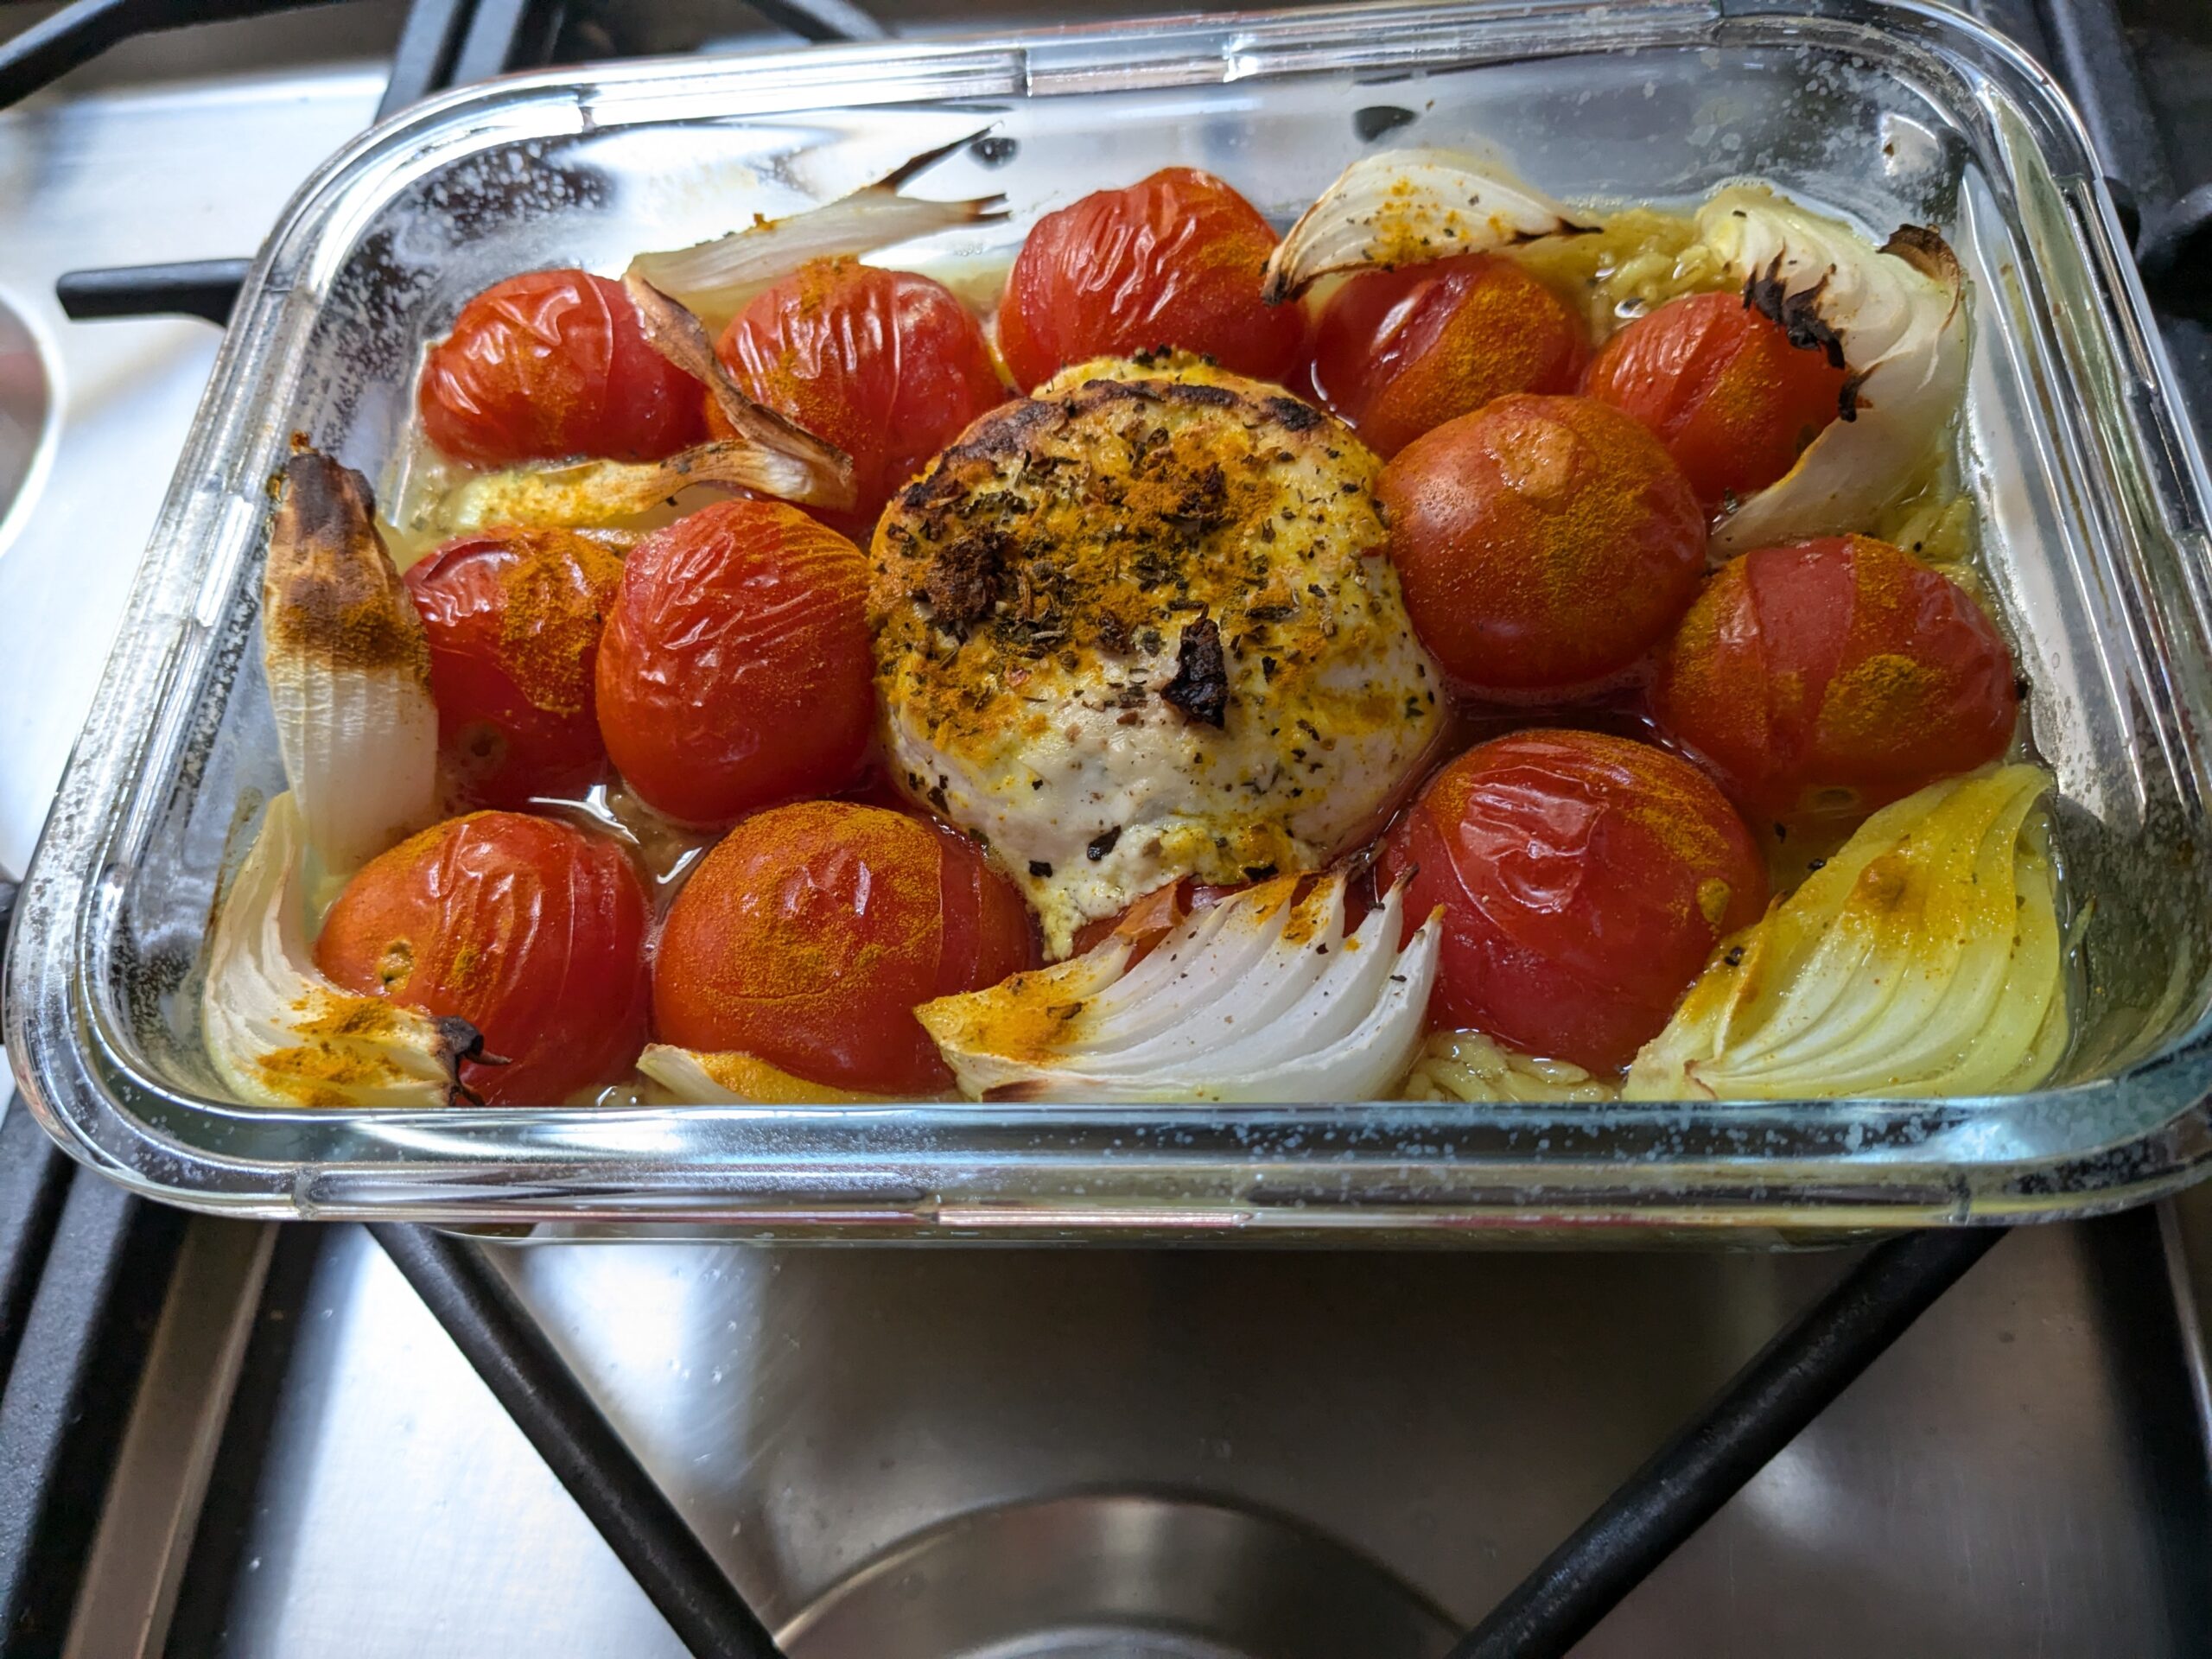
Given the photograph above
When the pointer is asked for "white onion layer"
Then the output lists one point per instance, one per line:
(1262, 998)
(597, 494)
(348, 667)
(689, 1076)
(282, 1034)
(716, 278)
(1403, 206)
(1899, 315)
(1923, 959)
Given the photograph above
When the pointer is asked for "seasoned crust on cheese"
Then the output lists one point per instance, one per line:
(1138, 627)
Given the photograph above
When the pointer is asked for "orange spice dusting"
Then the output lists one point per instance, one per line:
(1883, 695)
(555, 596)
(1144, 506)
(1543, 540)
(809, 933)
(332, 1058)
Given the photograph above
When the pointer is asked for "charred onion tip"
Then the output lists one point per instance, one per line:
(328, 499)
(915, 166)
(466, 1042)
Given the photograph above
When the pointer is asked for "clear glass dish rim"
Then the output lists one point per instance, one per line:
(935, 1168)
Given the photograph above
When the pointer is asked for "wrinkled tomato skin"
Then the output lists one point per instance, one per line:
(1172, 260)
(1544, 544)
(1720, 386)
(809, 933)
(1584, 880)
(1825, 679)
(550, 364)
(513, 618)
(735, 669)
(1398, 353)
(887, 364)
(532, 931)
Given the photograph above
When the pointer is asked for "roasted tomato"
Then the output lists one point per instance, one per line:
(532, 931)
(1827, 679)
(887, 366)
(1724, 388)
(1399, 352)
(734, 670)
(550, 365)
(1585, 880)
(1174, 260)
(1544, 544)
(513, 618)
(809, 934)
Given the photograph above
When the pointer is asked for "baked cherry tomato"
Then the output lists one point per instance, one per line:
(532, 931)
(1399, 352)
(1831, 677)
(1172, 260)
(734, 670)
(1720, 384)
(1584, 880)
(550, 364)
(513, 618)
(1544, 544)
(887, 366)
(811, 933)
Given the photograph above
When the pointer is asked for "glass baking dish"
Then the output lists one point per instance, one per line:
(2090, 488)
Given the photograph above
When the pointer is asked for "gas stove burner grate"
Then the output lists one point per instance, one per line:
(1134, 1576)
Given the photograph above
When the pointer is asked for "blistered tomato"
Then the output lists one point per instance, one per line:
(1172, 260)
(1831, 677)
(550, 364)
(1722, 386)
(1399, 352)
(1544, 544)
(735, 669)
(887, 364)
(532, 931)
(513, 618)
(1584, 882)
(809, 933)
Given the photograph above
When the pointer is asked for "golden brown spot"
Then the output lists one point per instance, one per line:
(330, 594)
(395, 965)
(549, 624)
(1885, 881)
(1713, 897)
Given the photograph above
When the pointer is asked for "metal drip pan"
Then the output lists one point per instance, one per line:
(1119, 1576)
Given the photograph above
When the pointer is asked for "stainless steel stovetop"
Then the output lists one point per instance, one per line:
(1265, 1441)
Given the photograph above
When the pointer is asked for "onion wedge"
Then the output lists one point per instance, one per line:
(1401, 206)
(689, 1078)
(592, 494)
(794, 464)
(716, 278)
(282, 1034)
(1894, 317)
(1923, 959)
(1260, 998)
(348, 667)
